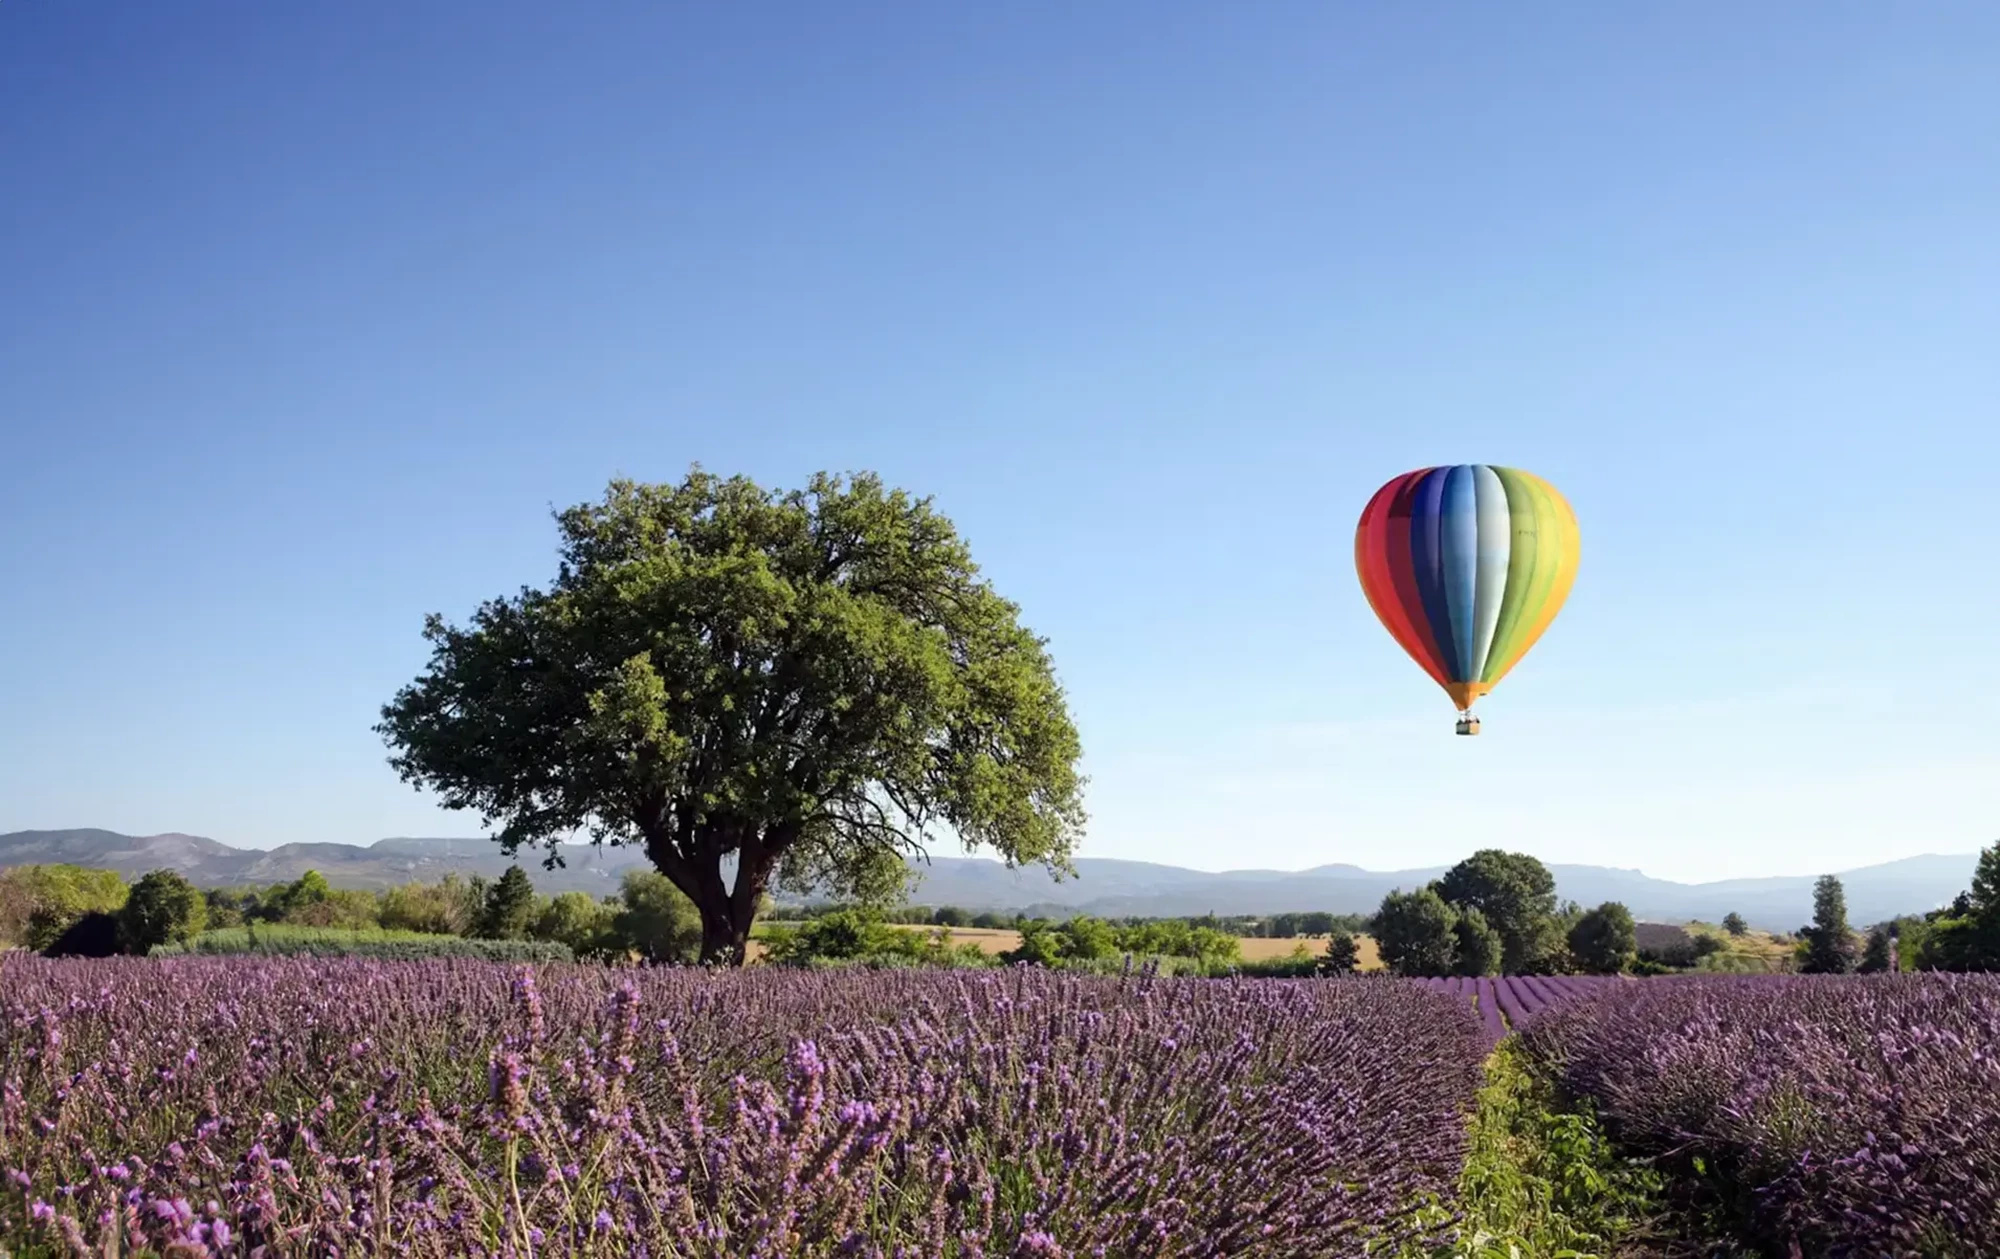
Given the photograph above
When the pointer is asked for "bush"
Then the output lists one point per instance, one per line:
(278, 940)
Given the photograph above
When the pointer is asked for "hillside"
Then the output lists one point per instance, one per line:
(1104, 886)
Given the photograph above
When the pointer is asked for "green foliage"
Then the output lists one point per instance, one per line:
(1733, 923)
(859, 935)
(278, 939)
(1965, 937)
(342, 908)
(39, 903)
(1971, 943)
(450, 906)
(1985, 892)
(1416, 933)
(162, 908)
(1517, 895)
(581, 923)
(810, 684)
(1827, 947)
(281, 902)
(225, 907)
(1476, 945)
(1605, 941)
(1342, 956)
(1878, 953)
(93, 934)
(1084, 939)
(655, 920)
(509, 908)
(1543, 1179)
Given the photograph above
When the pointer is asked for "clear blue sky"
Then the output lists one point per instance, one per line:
(309, 314)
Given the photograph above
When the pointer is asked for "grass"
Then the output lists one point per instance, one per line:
(1757, 950)
(1542, 1180)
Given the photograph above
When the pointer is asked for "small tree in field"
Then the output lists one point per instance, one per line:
(1342, 956)
(510, 907)
(758, 689)
(1733, 923)
(162, 907)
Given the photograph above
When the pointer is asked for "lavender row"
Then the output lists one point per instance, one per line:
(1509, 1002)
(1855, 1115)
(208, 1107)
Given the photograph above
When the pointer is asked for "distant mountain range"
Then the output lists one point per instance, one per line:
(1103, 886)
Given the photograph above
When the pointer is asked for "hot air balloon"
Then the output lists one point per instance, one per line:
(1466, 566)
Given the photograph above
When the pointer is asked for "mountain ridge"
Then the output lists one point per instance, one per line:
(1107, 886)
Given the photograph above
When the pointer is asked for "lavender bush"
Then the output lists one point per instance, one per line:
(199, 1106)
(1857, 1116)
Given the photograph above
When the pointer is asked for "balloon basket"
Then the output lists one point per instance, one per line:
(1468, 724)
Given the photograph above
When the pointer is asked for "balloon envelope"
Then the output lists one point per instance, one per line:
(1466, 566)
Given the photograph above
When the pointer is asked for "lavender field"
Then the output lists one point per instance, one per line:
(1851, 1116)
(210, 1106)
(198, 1106)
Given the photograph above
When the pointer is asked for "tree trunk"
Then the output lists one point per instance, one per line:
(724, 941)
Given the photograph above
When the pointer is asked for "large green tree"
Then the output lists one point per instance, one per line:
(1517, 894)
(760, 689)
(1416, 933)
(1604, 941)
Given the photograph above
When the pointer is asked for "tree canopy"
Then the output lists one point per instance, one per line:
(1828, 944)
(162, 906)
(1416, 933)
(1517, 895)
(759, 688)
(1604, 941)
